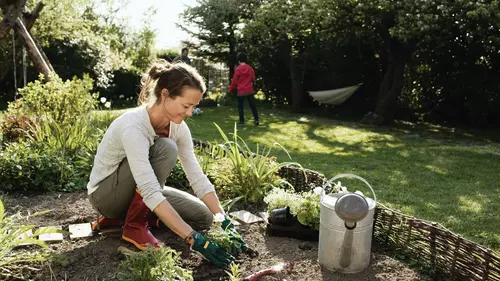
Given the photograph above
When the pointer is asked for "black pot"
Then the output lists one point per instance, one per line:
(281, 216)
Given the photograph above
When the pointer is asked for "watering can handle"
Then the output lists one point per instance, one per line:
(330, 181)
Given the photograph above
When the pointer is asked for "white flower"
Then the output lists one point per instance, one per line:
(319, 190)
(107, 104)
(219, 217)
(103, 99)
(121, 96)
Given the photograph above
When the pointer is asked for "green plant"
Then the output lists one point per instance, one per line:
(235, 273)
(14, 127)
(31, 166)
(253, 174)
(153, 265)
(305, 206)
(73, 141)
(64, 102)
(12, 235)
(178, 178)
(219, 235)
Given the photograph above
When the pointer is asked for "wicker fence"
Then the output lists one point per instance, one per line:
(447, 255)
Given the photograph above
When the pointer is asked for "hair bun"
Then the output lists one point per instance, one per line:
(158, 68)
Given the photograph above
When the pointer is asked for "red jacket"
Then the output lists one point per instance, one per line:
(243, 80)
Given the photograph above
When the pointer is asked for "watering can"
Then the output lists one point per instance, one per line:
(346, 225)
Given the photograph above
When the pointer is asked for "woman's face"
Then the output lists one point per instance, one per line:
(176, 109)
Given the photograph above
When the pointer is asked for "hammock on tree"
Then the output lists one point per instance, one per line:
(334, 97)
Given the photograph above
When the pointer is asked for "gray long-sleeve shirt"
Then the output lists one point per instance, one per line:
(131, 135)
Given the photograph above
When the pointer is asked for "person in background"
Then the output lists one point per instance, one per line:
(243, 78)
(183, 57)
(136, 156)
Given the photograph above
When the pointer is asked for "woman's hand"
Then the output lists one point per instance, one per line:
(210, 251)
(229, 228)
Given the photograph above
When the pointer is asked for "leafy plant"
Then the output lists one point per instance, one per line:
(253, 174)
(64, 102)
(178, 178)
(153, 265)
(235, 273)
(14, 127)
(219, 235)
(305, 206)
(12, 235)
(30, 166)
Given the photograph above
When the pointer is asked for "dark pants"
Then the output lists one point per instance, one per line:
(253, 107)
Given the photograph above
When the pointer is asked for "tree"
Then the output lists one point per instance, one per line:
(216, 24)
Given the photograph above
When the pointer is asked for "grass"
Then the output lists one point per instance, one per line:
(429, 172)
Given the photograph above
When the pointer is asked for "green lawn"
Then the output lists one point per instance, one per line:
(431, 173)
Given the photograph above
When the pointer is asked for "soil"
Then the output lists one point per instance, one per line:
(96, 258)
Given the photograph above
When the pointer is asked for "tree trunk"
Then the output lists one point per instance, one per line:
(392, 83)
(231, 59)
(32, 49)
(297, 69)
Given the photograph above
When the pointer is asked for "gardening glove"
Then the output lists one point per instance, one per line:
(237, 240)
(226, 223)
(210, 251)
(229, 228)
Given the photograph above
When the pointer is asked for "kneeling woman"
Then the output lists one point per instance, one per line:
(137, 154)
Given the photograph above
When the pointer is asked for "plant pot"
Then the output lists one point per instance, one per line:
(296, 230)
(281, 216)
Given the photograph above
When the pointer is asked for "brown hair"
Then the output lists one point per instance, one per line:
(173, 77)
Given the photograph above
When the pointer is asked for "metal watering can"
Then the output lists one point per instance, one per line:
(346, 225)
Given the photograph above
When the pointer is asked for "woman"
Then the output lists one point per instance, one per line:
(137, 154)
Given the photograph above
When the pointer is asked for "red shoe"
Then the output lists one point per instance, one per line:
(103, 223)
(136, 229)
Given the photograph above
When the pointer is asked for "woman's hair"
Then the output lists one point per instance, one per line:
(173, 77)
(242, 57)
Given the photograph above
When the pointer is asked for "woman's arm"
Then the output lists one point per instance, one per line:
(213, 203)
(197, 179)
(172, 220)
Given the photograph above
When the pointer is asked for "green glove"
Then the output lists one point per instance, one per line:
(229, 228)
(211, 251)
(226, 223)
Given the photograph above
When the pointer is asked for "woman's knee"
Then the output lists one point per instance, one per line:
(165, 148)
(204, 219)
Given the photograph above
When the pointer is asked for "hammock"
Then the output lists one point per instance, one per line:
(336, 96)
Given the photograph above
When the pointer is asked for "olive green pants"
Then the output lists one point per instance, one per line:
(114, 194)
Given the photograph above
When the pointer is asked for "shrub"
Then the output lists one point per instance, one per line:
(30, 166)
(64, 102)
(153, 265)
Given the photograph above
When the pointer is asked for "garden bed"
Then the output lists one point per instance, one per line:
(96, 258)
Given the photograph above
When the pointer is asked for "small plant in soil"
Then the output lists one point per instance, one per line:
(14, 234)
(153, 265)
(219, 235)
(235, 273)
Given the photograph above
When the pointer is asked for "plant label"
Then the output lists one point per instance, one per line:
(80, 230)
(51, 237)
(246, 217)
